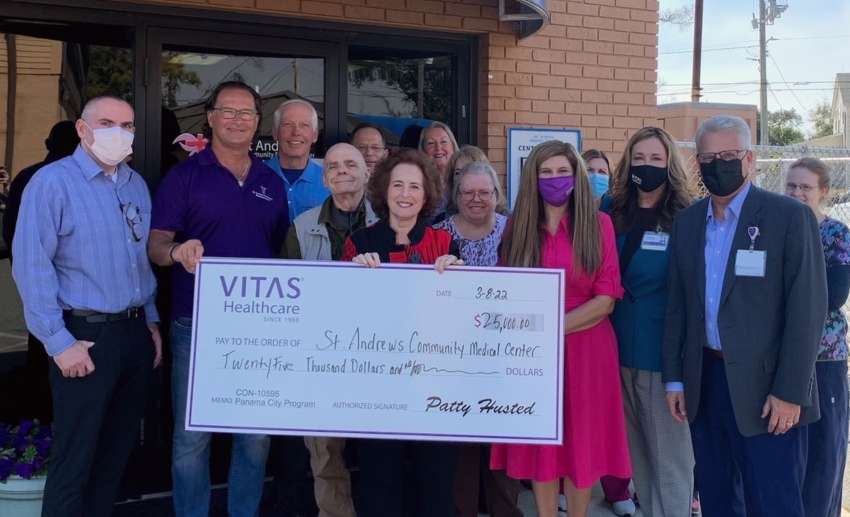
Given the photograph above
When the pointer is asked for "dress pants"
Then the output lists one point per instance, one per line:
(473, 473)
(96, 418)
(660, 447)
(331, 480)
(757, 476)
(827, 443)
(386, 490)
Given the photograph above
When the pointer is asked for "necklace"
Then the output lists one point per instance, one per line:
(241, 178)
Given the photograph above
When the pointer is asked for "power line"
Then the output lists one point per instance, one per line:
(690, 50)
(732, 83)
(794, 93)
(754, 44)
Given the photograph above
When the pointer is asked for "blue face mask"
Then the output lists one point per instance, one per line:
(598, 183)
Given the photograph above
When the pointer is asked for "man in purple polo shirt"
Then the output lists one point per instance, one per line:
(221, 202)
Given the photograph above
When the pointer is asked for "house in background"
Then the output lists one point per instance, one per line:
(681, 119)
(840, 109)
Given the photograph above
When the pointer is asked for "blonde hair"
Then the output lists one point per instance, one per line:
(678, 189)
(438, 125)
(523, 236)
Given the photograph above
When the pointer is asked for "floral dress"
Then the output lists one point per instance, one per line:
(836, 247)
(480, 252)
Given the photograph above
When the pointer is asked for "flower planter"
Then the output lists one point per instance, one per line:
(21, 497)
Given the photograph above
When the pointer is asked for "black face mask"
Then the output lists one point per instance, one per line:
(722, 177)
(648, 178)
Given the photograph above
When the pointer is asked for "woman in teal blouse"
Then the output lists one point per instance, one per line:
(649, 185)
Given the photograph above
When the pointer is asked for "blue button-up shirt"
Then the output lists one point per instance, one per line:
(718, 244)
(306, 192)
(74, 247)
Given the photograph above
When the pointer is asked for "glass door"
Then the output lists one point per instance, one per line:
(188, 66)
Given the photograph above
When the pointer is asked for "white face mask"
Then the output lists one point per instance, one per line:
(111, 144)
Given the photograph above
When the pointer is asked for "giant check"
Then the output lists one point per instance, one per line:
(337, 349)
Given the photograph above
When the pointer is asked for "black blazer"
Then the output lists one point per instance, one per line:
(769, 327)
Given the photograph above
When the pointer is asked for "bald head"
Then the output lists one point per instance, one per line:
(345, 173)
(103, 112)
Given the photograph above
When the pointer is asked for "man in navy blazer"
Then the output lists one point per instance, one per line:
(746, 308)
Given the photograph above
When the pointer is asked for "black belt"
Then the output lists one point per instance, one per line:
(103, 317)
(716, 353)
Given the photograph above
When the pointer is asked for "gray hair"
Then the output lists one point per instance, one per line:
(722, 123)
(278, 113)
(482, 169)
(444, 127)
(361, 162)
(91, 105)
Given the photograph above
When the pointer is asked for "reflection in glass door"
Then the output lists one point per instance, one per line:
(188, 76)
(401, 88)
(53, 78)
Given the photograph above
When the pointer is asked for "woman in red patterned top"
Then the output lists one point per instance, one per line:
(404, 191)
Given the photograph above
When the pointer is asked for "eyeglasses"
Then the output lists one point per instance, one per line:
(133, 217)
(230, 113)
(373, 149)
(469, 195)
(790, 188)
(732, 154)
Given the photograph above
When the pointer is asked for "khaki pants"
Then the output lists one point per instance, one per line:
(332, 482)
(662, 456)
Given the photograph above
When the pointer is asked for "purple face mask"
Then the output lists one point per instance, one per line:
(556, 191)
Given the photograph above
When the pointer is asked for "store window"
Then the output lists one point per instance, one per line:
(188, 76)
(45, 82)
(400, 89)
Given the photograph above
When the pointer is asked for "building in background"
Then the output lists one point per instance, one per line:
(586, 64)
(681, 119)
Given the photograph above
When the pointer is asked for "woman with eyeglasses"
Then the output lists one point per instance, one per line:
(477, 228)
(460, 159)
(808, 180)
(556, 225)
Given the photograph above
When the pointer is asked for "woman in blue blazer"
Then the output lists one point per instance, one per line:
(649, 185)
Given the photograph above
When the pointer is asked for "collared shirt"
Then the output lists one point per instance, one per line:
(76, 248)
(718, 244)
(306, 192)
(200, 199)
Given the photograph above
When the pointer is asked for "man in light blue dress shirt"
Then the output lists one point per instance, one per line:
(87, 287)
(745, 313)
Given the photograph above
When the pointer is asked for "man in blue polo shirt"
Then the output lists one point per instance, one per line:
(221, 202)
(296, 126)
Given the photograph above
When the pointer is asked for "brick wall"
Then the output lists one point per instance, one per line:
(593, 67)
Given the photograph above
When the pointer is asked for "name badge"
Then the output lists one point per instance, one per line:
(750, 263)
(654, 241)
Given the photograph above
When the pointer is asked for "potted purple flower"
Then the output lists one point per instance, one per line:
(24, 450)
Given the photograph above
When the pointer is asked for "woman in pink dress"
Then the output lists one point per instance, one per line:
(556, 224)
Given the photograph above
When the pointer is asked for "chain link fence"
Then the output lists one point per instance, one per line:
(773, 162)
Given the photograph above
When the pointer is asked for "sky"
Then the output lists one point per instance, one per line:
(811, 44)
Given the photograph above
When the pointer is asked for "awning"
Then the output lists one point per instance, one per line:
(529, 16)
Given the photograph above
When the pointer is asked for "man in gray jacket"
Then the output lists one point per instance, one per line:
(319, 234)
(745, 312)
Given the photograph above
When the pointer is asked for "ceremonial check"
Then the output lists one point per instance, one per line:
(399, 351)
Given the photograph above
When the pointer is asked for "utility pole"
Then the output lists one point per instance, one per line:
(763, 138)
(769, 11)
(697, 65)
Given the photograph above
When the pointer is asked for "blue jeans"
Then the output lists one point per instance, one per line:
(190, 464)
